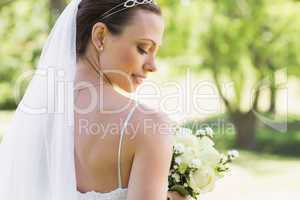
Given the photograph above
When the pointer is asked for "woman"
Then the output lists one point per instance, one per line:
(115, 154)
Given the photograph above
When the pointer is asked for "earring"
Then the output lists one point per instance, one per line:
(101, 46)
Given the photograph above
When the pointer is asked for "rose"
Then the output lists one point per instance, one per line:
(203, 180)
(188, 145)
(209, 156)
(187, 139)
(196, 163)
(207, 153)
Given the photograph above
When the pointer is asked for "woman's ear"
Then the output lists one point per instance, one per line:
(99, 32)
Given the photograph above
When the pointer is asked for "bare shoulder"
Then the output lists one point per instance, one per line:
(152, 125)
(153, 153)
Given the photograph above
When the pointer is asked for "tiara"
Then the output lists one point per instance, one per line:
(125, 5)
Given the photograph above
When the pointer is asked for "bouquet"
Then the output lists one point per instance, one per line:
(196, 164)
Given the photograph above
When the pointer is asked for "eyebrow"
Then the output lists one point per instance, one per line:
(154, 43)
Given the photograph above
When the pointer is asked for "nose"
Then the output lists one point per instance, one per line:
(150, 66)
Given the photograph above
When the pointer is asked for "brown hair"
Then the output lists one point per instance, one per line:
(91, 11)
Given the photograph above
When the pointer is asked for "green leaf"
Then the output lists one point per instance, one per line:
(180, 189)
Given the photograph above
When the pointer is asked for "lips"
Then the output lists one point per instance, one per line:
(139, 79)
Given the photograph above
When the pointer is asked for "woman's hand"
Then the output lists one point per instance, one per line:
(175, 196)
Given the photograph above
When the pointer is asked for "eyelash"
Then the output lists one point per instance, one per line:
(141, 51)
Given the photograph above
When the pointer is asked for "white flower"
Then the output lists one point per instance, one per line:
(176, 177)
(178, 160)
(209, 156)
(179, 148)
(203, 180)
(223, 158)
(196, 163)
(189, 141)
(189, 150)
(190, 154)
(200, 132)
(190, 198)
(233, 154)
(209, 132)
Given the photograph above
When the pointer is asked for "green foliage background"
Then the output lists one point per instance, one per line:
(23, 30)
(236, 40)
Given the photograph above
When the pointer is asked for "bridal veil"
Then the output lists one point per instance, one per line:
(37, 151)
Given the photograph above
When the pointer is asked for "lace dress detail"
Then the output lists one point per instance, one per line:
(119, 193)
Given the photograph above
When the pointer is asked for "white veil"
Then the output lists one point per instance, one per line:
(37, 151)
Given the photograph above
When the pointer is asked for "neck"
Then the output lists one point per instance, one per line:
(87, 72)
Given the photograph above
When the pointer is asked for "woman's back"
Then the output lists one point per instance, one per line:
(97, 143)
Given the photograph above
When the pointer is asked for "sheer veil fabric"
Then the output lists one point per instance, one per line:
(37, 151)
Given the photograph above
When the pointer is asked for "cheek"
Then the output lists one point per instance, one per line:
(129, 59)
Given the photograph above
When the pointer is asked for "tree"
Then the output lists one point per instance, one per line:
(243, 42)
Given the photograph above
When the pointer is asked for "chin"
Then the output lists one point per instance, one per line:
(128, 88)
(132, 89)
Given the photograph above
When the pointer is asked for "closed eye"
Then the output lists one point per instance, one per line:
(142, 51)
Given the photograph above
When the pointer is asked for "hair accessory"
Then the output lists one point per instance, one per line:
(125, 5)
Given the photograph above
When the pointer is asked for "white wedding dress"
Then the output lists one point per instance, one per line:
(119, 193)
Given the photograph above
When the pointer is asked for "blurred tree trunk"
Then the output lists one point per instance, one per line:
(244, 122)
(245, 125)
(273, 88)
(272, 108)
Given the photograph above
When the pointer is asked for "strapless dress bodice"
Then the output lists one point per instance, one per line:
(117, 194)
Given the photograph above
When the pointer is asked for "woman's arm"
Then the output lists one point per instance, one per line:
(152, 160)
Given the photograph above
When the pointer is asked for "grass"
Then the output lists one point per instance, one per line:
(259, 176)
(266, 164)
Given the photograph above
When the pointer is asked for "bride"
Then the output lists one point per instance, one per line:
(74, 135)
